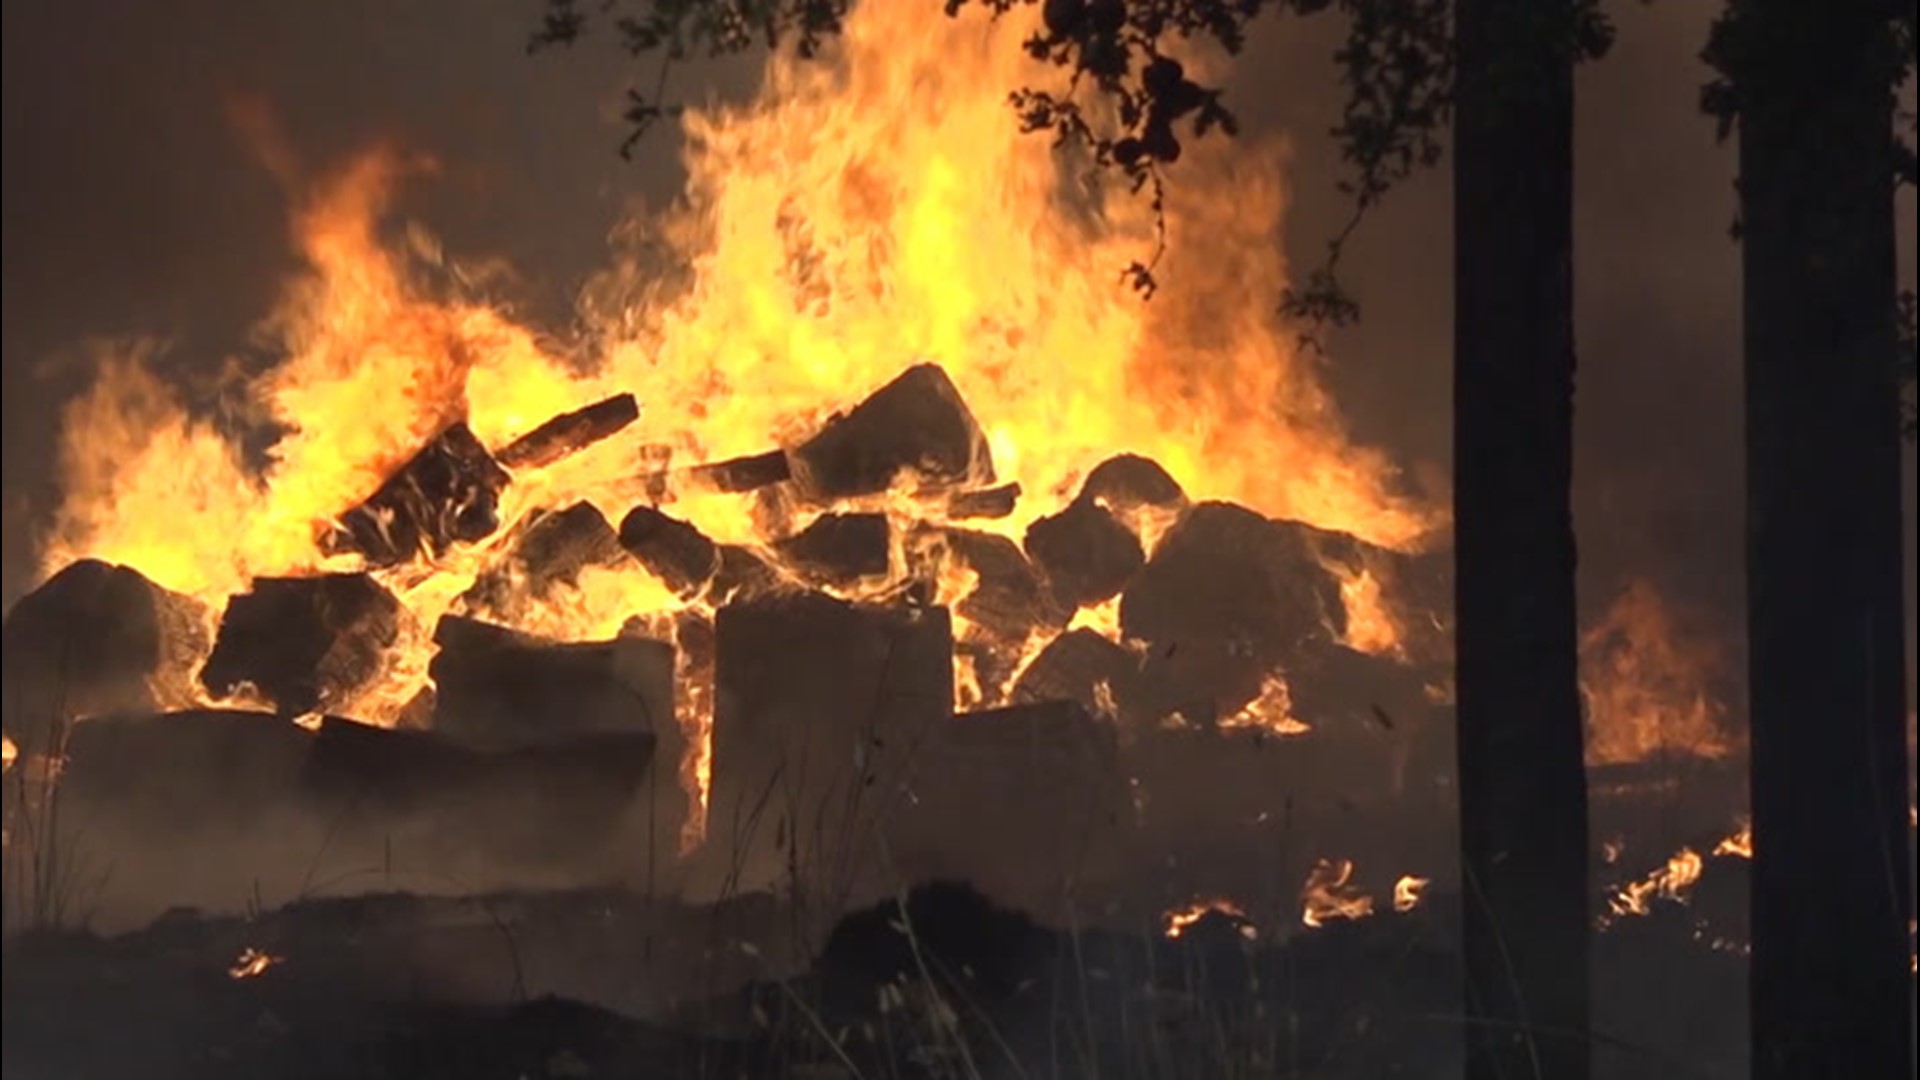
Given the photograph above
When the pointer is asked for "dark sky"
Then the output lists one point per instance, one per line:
(131, 207)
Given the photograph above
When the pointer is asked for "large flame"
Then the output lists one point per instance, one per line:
(862, 212)
(1647, 685)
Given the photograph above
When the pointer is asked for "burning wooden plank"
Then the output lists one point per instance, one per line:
(675, 551)
(448, 493)
(95, 638)
(993, 502)
(1086, 554)
(1010, 597)
(840, 549)
(819, 704)
(743, 473)
(917, 423)
(551, 551)
(305, 644)
(570, 433)
(500, 687)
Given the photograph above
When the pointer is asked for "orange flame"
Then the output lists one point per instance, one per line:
(1646, 685)
(1330, 894)
(1408, 891)
(1674, 881)
(251, 964)
(1175, 921)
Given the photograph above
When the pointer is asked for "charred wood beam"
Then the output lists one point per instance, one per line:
(570, 433)
(304, 644)
(448, 493)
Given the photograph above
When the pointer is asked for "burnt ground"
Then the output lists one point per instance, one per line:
(555, 986)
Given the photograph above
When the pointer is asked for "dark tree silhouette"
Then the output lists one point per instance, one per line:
(1523, 797)
(1811, 88)
(1522, 776)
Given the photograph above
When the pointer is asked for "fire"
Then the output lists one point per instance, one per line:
(1271, 712)
(1176, 920)
(1371, 626)
(1739, 843)
(1330, 894)
(252, 963)
(860, 213)
(1646, 685)
(9, 753)
(1674, 881)
(1408, 891)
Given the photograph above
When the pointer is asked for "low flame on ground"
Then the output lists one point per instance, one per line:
(1645, 684)
(1176, 921)
(862, 212)
(1408, 891)
(1674, 881)
(252, 963)
(8, 754)
(1330, 894)
(1371, 625)
(1739, 843)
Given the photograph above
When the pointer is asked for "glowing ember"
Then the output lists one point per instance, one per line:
(1645, 686)
(1407, 893)
(859, 215)
(1176, 921)
(8, 753)
(252, 963)
(1329, 894)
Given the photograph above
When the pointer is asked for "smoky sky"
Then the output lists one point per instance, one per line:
(132, 208)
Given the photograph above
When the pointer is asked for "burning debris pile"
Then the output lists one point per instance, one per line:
(890, 667)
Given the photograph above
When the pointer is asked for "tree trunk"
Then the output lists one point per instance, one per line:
(1523, 800)
(1832, 876)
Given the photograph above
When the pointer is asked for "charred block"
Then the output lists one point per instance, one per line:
(743, 575)
(95, 638)
(305, 644)
(448, 493)
(839, 549)
(1228, 597)
(819, 705)
(1129, 481)
(570, 433)
(1085, 553)
(1083, 667)
(749, 473)
(677, 552)
(502, 688)
(916, 423)
(1016, 800)
(534, 801)
(183, 771)
(993, 502)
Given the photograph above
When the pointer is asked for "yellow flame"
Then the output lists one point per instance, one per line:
(1673, 881)
(1408, 891)
(252, 963)
(862, 212)
(1271, 712)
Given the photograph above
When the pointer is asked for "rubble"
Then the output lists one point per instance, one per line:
(820, 705)
(1086, 554)
(304, 644)
(569, 433)
(95, 638)
(840, 549)
(918, 423)
(448, 493)
(674, 550)
(498, 687)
